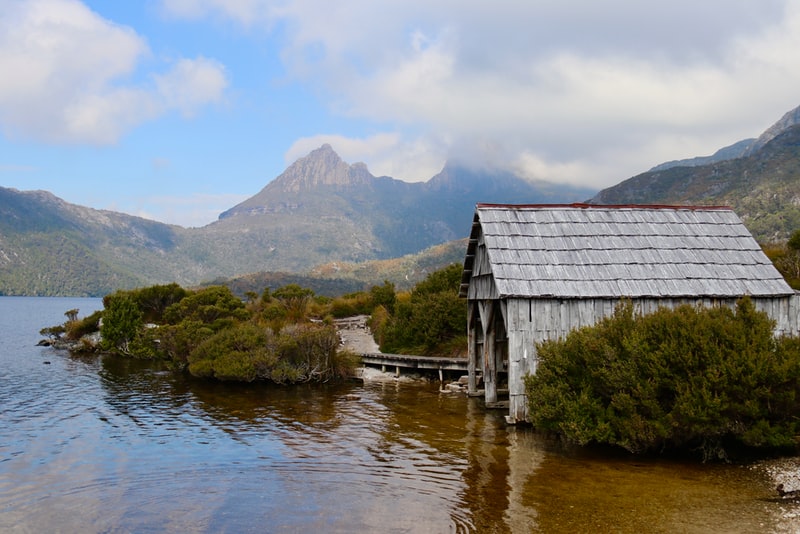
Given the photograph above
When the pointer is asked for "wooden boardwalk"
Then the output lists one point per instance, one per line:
(428, 363)
(406, 361)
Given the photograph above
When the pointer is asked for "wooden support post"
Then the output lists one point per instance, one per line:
(472, 342)
(397, 371)
(490, 363)
(486, 310)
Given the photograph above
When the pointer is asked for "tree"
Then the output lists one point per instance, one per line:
(794, 241)
(383, 295)
(122, 320)
(431, 320)
(787, 259)
(154, 300)
(53, 332)
(294, 299)
(209, 305)
(447, 279)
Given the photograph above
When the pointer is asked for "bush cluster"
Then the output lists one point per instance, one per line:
(711, 380)
(431, 320)
(247, 352)
(215, 334)
(286, 335)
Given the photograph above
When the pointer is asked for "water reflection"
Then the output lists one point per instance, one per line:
(362, 458)
(102, 444)
(391, 457)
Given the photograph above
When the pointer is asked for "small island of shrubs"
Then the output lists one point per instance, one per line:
(283, 336)
(212, 333)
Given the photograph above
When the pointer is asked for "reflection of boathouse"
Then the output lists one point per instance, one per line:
(536, 272)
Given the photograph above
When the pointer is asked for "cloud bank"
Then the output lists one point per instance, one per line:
(70, 76)
(578, 91)
(574, 91)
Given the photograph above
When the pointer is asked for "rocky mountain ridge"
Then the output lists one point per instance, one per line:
(789, 120)
(324, 218)
(321, 210)
(321, 168)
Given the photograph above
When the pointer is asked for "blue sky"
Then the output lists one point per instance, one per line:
(176, 110)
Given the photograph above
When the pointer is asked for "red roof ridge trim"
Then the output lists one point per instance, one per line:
(584, 205)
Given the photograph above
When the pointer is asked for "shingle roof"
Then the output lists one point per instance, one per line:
(591, 251)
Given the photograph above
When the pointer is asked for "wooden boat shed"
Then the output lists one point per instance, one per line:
(536, 272)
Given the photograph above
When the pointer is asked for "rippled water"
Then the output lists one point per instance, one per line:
(101, 444)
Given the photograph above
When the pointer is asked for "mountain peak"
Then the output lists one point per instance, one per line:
(789, 119)
(321, 167)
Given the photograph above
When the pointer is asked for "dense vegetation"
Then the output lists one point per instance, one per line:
(284, 336)
(275, 336)
(710, 380)
(430, 320)
(55, 264)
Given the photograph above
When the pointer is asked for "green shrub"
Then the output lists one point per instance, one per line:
(383, 295)
(428, 321)
(176, 342)
(295, 301)
(153, 301)
(691, 378)
(350, 305)
(122, 321)
(53, 332)
(247, 352)
(344, 364)
(310, 349)
(235, 353)
(207, 305)
(378, 324)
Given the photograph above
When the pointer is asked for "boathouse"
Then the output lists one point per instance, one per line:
(536, 272)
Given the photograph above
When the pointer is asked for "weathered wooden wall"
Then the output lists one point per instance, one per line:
(481, 283)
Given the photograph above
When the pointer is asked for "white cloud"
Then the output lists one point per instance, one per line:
(603, 89)
(69, 75)
(192, 84)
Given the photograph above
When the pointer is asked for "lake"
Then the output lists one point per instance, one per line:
(103, 444)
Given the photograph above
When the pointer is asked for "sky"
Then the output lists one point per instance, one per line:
(176, 110)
